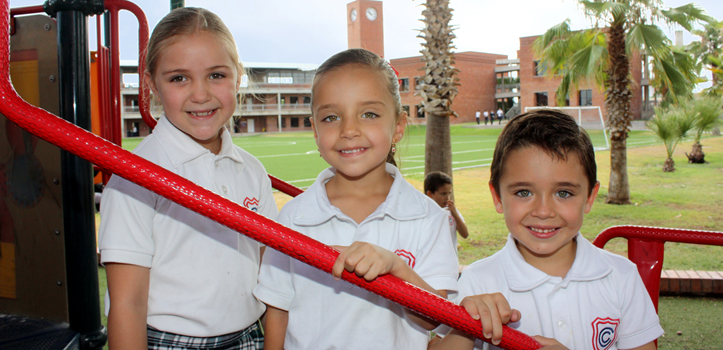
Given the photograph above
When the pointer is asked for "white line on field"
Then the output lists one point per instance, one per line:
(458, 152)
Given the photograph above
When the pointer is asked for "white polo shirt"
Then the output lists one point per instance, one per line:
(453, 225)
(601, 304)
(329, 314)
(202, 274)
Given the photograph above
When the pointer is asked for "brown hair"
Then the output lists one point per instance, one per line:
(186, 21)
(552, 131)
(367, 59)
(434, 180)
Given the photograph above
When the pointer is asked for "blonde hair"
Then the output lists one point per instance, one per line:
(186, 21)
(367, 59)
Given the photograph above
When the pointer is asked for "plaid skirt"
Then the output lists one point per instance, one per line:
(250, 338)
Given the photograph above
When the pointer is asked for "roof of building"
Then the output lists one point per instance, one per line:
(256, 65)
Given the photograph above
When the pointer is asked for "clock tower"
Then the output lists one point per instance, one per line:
(365, 25)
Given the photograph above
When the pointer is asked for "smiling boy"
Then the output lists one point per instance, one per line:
(543, 179)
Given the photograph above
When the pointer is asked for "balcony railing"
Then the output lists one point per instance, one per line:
(274, 107)
(131, 109)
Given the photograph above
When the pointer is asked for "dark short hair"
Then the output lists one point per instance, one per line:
(552, 131)
(434, 180)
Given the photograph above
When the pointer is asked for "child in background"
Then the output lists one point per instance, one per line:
(438, 186)
(175, 278)
(543, 179)
(363, 206)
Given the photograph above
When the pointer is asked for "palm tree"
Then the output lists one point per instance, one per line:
(438, 86)
(603, 54)
(670, 125)
(706, 114)
(709, 52)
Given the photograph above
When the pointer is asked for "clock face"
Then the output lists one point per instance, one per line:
(352, 15)
(372, 13)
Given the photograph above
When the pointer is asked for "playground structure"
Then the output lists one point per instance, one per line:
(82, 328)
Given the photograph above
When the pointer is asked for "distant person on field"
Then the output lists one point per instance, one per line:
(438, 186)
(487, 116)
(543, 179)
(477, 115)
(500, 114)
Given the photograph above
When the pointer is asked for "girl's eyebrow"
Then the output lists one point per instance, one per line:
(366, 103)
(182, 70)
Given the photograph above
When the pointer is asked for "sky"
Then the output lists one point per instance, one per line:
(306, 31)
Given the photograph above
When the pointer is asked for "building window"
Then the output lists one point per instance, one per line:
(307, 122)
(417, 81)
(283, 122)
(539, 69)
(307, 99)
(567, 100)
(294, 100)
(404, 84)
(541, 99)
(294, 122)
(405, 109)
(420, 111)
(585, 98)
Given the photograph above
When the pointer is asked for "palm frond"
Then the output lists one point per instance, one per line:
(670, 125)
(686, 15)
(648, 37)
(707, 113)
(557, 32)
(585, 60)
(600, 9)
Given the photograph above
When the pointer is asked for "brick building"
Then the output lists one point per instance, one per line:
(276, 97)
(476, 79)
(537, 89)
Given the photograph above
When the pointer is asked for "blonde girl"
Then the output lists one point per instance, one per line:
(175, 278)
(364, 207)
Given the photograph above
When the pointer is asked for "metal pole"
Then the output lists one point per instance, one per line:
(81, 261)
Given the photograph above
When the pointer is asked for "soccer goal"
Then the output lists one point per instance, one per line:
(589, 117)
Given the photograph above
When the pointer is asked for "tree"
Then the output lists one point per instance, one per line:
(709, 52)
(706, 114)
(603, 54)
(670, 125)
(438, 86)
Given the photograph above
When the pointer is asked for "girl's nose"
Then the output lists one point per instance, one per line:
(349, 127)
(200, 93)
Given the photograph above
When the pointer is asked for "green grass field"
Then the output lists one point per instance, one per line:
(294, 158)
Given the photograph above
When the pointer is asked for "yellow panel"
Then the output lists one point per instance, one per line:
(24, 75)
(7, 270)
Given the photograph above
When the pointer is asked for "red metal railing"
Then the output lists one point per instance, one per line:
(113, 7)
(646, 246)
(144, 173)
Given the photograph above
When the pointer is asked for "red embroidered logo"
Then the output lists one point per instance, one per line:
(604, 332)
(251, 203)
(406, 256)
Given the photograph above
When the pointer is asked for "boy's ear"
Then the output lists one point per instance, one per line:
(496, 198)
(591, 198)
(429, 193)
